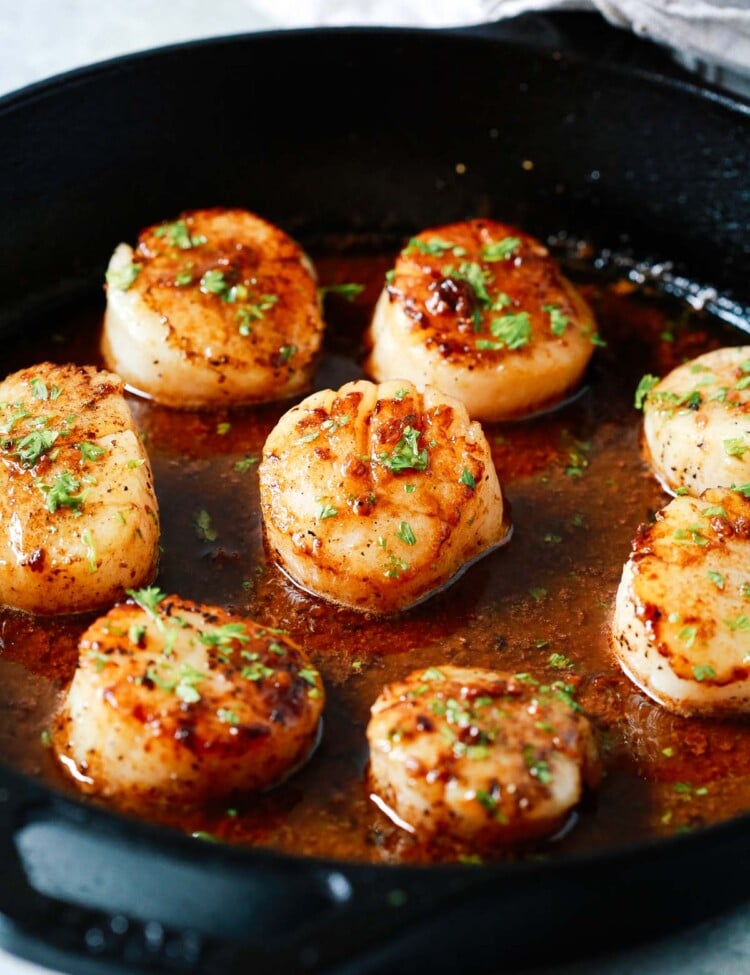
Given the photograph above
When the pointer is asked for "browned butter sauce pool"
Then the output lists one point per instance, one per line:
(578, 489)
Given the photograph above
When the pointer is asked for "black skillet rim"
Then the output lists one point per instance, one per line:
(43, 797)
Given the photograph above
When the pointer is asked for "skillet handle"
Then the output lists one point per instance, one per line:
(153, 896)
(49, 931)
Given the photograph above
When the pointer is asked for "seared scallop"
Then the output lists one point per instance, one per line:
(176, 700)
(696, 422)
(681, 628)
(77, 505)
(480, 310)
(478, 756)
(375, 497)
(216, 309)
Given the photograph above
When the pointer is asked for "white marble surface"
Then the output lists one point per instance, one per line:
(39, 38)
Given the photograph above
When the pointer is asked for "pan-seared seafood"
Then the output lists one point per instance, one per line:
(176, 700)
(696, 422)
(681, 627)
(375, 497)
(78, 511)
(480, 310)
(215, 309)
(479, 756)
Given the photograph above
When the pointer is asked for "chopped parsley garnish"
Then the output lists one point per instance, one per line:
(538, 767)
(148, 598)
(183, 278)
(558, 321)
(91, 557)
(187, 686)
(254, 312)
(256, 671)
(735, 446)
(61, 493)
(347, 291)
(704, 672)
(513, 331)
(213, 282)
(245, 464)
(34, 445)
(687, 789)
(717, 578)
(224, 636)
(400, 394)
(501, 301)
(201, 834)
(286, 352)
(578, 464)
(559, 661)
(693, 534)
(308, 675)
(501, 250)
(326, 510)
(644, 387)
(136, 633)
(89, 450)
(468, 478)
(687, 635)
(406, 534)
(486, 801)
(227, 717)
(395, 566)
(538, 593)
(406, 455)
(435, 247)
(741, 622)
(124, 277)
(433, 673)
(20, 414)
(203, 528)
(473, 274)
(39, 389)
(179, 235)
(715, 511)
(331, 426)
(100, 660)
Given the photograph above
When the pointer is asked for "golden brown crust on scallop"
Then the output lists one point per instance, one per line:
(481, 310)
(77, 503)
(472, 754)
(214, 702)
(234, 300)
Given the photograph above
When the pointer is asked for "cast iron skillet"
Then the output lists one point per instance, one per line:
(335, 131)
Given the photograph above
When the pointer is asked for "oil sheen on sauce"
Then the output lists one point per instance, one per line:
(578, 489)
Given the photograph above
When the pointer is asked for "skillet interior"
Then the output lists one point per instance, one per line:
(93, 159)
